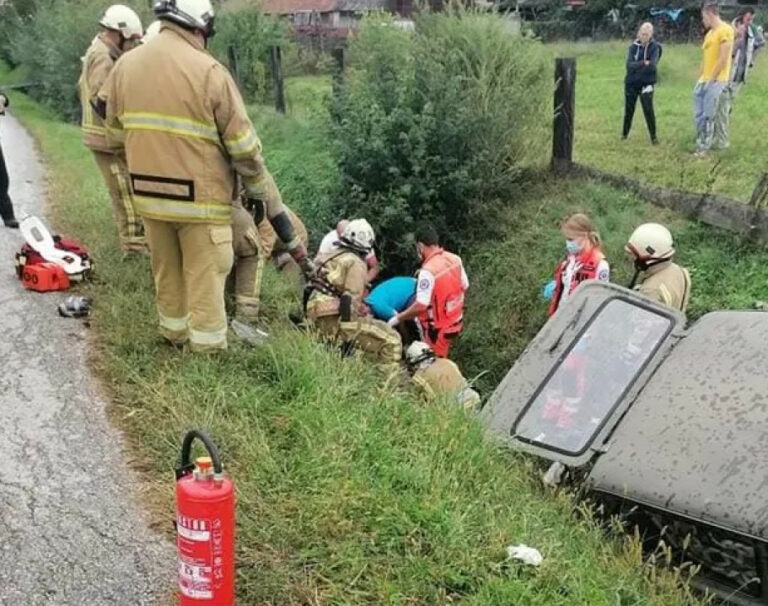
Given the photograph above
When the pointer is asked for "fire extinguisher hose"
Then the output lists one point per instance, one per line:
(185, 465)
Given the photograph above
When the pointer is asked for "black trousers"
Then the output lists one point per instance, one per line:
(631, 93)
(6, 208)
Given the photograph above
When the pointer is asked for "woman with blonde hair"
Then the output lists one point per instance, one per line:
(584, 260)
(642, 58)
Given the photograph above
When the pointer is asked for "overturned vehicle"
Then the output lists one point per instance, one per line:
(666, 426)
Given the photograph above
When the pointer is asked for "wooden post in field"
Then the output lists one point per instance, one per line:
(565, 95)
(338, 69)
(760, 193)
(275, 62)
(234, 65)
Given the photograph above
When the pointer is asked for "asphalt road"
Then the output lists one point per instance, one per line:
(72, 531)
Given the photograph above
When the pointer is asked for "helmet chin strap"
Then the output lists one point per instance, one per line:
(642, 265)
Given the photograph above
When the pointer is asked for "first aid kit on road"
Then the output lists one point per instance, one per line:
(42, 247)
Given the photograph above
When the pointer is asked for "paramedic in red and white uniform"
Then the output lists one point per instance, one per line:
(440, 286)
(584, 260)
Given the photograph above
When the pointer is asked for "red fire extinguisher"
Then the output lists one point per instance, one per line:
(205, 527)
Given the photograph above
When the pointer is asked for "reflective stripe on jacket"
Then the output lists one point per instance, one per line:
(98, 62)
(346, 273)
(446, 311)
(186, 132)
(589, 262)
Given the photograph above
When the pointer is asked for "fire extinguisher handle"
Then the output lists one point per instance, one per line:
(186, 449)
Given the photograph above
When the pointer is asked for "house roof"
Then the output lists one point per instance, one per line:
(288, 7)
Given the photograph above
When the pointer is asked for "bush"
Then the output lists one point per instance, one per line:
(252, 34)
(436, 124)
(49, 42)
(299, 60)
(47, 38)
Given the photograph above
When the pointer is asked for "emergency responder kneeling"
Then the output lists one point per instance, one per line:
(652, 249)
(439, 377)
(187, 135)
(440, 286)
(334, 305)
(121, 31)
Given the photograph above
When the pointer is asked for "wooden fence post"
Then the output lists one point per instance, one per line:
(562, 136)
(234, 65)
(275, 62)
(338, 69)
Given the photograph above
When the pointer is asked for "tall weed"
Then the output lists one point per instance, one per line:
(436, 124)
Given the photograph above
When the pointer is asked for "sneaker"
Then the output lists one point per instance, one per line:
(11, 223)
(700, 153)
(654, 141)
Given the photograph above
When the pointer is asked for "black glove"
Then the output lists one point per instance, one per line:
(256, 208)
(345, 307)
(99, 107)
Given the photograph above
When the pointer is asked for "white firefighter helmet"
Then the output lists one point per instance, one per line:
(122, 19)
(152, 30)
(651, 242)
(418, 352)
(190, 14)
(358, 235)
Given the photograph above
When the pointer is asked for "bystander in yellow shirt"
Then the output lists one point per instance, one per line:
(712, 41)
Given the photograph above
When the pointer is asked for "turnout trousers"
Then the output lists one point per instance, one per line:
(130, 228)
(378, 341)
(190, 265)
(249, 265)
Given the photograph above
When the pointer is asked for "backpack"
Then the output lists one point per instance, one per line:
(29, 256)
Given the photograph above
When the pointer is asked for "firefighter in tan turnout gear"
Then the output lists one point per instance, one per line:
(121, 32)
(255, 243)
(663, 280)
(187, 138)
(334, 307)
(439, 377)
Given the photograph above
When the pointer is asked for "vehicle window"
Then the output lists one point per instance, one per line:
(602, 363)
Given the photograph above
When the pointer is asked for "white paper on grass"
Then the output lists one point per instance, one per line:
(527, 555)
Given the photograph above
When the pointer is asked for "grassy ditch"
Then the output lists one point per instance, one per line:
(507, 273)
(350, 491)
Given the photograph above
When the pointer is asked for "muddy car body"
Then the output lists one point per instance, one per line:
(667, 425)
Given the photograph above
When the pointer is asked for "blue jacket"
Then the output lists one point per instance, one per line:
(638, 72)
(391, 296)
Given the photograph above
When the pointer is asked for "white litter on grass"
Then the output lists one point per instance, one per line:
(527, 555)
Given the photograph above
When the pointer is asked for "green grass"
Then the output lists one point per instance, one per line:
(505, 309)
(296, 151)
(350, 490)
(600, 109)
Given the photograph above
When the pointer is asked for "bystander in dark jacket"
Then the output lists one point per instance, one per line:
(642, 59)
